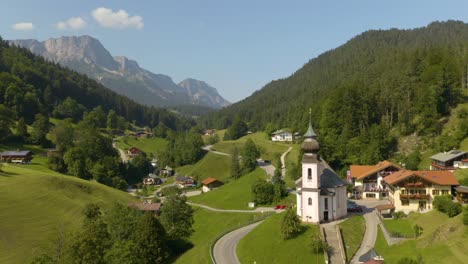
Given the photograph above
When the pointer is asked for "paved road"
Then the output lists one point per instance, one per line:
(208, 148)
(225, 248)
(123, 156)
(257, 210)
(371, 227)
(283, 164)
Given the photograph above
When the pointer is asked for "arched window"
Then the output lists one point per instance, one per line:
(309, 174)
(310, 201)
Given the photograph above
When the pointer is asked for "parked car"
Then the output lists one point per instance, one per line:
(354, 208)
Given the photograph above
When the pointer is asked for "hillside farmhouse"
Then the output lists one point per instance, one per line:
(210, 184)
(321, 193)
(450, 160)
(23, 156)
(147, 206)
(281, 136)
(133, 152)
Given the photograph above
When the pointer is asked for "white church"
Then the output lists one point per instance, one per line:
(321, 193)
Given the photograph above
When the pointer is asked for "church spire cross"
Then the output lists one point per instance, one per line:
(310, 131)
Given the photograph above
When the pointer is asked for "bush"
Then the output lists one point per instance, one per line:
(317, 245)
(445, 205)
(454, 209)
(290, 225)
(398, 215)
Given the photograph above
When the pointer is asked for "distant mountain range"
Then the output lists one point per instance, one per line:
(87, 55)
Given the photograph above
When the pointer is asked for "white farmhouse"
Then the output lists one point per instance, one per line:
(321, 193)
(281, 135)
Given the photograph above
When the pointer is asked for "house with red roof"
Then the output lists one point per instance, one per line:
(415, 190)
(132, 152)
(368, 179)
(210, 184)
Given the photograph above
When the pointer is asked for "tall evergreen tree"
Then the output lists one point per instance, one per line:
(235, 165)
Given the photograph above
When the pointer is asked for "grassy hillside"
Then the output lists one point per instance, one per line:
(207, 226)
(148, 145)
(443, 240)
(269, 150)
(37, 205)
(264, 245)
(235, 194)
(212, 165)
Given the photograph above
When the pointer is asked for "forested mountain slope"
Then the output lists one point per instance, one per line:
(30, 85)
(379, 85)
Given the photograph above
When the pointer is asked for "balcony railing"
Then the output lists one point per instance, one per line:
(414, 196)
(415, 184)
(375, 190)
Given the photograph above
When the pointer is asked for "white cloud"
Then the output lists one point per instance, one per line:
(72, 23)
(23, 26)
(119, 19)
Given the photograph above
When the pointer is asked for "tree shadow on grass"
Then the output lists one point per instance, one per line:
(178, 247)
(7, 174)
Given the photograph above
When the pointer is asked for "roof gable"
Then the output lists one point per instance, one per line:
(436, 177)
(15, 153)
(446, 156)
(374, 169)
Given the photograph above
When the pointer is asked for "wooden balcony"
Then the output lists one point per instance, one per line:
(415, 184)
(414, 196)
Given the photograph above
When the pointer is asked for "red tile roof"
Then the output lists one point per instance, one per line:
(362, 171)
(209, 180)
(436, 177)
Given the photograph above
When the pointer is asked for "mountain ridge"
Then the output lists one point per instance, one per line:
(87, 55)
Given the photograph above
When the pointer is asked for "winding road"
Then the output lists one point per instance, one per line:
(224, 251)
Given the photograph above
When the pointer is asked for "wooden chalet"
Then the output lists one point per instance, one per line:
(19, 156)
(210, 184)
(449, 160)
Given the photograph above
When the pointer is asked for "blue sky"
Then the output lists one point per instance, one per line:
(236, 46)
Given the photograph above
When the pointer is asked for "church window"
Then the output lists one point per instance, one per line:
(310, 201)
(325, 204)
(309, 174)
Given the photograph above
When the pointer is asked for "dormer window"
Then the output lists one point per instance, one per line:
(310, 201)
(309, 174)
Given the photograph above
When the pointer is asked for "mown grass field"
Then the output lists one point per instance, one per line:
(207, 226)
(148, 145)
(269, 150)
(352, 231)
(211, 165)
(443, 240)
(235, 194)
(35, 206)
(399, 227)
(265, 245)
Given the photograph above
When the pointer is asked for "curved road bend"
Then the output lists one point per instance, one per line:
(224, 250)
(371, 227)
(283, 164)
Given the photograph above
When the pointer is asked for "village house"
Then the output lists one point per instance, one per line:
(133, 152)
(321, 193)
(281, 135)
(147, 206)
(450, 160)
(19, 156)
(209, 132)
(368, 179)
(184, 181)
(462, 194)
(166, 172)
(210, 184)
(152, 179)
(416, 190)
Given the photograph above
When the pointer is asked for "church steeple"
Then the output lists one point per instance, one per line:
(310, 131)
(310, 144)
